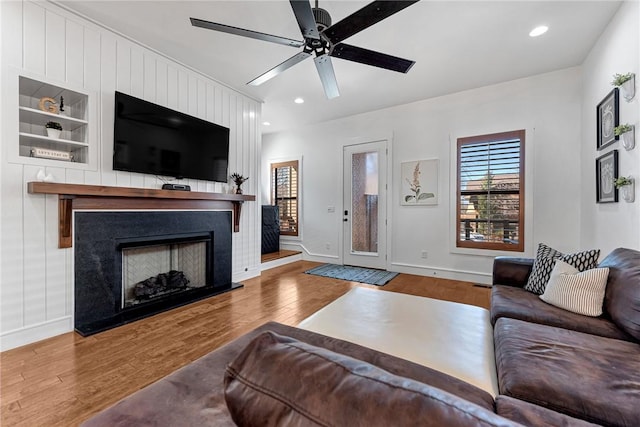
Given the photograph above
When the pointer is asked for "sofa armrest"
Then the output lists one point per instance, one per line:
(511, 271)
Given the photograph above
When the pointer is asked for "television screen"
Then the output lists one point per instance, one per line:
(152, 139)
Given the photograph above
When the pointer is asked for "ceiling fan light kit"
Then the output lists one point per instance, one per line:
(325, 40)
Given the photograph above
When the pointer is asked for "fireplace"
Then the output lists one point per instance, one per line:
(161, 266)
(129, 265)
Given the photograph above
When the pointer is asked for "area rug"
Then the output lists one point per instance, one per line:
(369, 276)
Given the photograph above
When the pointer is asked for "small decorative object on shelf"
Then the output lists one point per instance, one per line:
(48, 153)
(627, 133)
(53, 129)
(62, 112)
(238, 180)
(48, 105)
(626, 82)
(626, 185)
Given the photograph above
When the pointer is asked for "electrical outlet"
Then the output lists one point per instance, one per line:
(327, 246)
(424, 254)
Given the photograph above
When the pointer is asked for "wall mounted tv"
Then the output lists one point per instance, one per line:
(152, 139)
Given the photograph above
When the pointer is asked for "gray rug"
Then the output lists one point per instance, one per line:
(369, 276)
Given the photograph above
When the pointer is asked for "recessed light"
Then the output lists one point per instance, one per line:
(299, 101)
(538, 31)
(266, 123)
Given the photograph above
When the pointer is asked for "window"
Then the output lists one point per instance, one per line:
(284, 194)
(490, 192)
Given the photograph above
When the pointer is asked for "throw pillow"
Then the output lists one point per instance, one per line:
(576, 291)
(541, 270)
(277, 380)
(546, 259)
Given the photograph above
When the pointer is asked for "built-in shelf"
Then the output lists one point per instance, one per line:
(42, 117)
(58, 142)
(33, 116)
(79, 196)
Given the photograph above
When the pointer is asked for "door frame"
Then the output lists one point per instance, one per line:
(388, 169)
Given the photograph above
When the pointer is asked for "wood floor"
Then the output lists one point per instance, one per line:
(64, 380)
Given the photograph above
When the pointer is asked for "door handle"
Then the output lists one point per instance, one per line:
(345, 219)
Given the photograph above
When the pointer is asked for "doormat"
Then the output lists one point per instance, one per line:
(369, 276)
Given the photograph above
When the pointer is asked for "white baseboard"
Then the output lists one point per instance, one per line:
(446, 273)
(239, 276)
(33, 333)
(310, 256)
(280, 261)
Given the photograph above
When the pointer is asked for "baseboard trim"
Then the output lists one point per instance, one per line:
(244, 275)
(309, 256)
(280, 261)
(446, 273)
(37, 332)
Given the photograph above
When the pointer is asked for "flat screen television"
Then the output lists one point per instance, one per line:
(156, 140)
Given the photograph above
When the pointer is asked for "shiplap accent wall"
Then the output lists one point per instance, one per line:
(43, 40)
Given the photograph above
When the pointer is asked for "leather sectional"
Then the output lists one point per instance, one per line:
(553, 369)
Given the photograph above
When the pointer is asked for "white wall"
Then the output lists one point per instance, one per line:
(547, 106)
(611, 225)
(45, 41)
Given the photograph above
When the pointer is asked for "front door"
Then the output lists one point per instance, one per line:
(365, 205)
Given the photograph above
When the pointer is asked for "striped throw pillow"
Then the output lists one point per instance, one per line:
(576, 291)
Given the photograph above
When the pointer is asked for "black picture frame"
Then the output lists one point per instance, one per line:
(608, 117)
(606, 174)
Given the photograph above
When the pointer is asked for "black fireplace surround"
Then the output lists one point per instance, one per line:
(98, 243)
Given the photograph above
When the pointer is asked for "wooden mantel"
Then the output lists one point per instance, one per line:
(78, 196)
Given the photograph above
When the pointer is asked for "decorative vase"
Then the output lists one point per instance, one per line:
(238, 190)
(53, 133)
(629, 192)
(629, 88)
(629, 139)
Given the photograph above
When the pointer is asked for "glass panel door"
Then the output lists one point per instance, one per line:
(365, 205)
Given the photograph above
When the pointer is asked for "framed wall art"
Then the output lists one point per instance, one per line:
(606, 174)
(608, 117)
(419, 183)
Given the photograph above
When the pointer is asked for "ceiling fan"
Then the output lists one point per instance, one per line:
(325, 40)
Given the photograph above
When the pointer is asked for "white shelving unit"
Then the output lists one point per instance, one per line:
(74, 139)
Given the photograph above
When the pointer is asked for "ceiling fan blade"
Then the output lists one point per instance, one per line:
(327, 76)
(370, 57)
(306, 21)
(364, 18)
(245, 33)
(279, 68)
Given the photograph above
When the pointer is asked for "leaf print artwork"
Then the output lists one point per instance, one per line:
(419, 189)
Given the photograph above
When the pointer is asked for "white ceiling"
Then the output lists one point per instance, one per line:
(457, 45)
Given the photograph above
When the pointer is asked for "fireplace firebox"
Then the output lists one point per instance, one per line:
(130, 265)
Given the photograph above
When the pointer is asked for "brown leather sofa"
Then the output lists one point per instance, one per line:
(585, 367)
(548, 375)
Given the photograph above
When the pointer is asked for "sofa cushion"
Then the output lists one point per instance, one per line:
(532, 415)
(516, 303)
(622, 299)
(580, 292)
(585, 376)
(196, 393)
(277, 380)
(545, 261)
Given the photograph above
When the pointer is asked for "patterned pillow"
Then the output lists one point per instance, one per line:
(546, 259)
(579, 292)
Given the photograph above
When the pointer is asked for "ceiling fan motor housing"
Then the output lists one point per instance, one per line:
(322, 18)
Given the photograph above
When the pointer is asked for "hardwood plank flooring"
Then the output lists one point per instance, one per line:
(64, 380)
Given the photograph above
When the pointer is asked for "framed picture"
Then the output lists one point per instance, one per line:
(419, 183)
(608, 118)
(606, 174)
